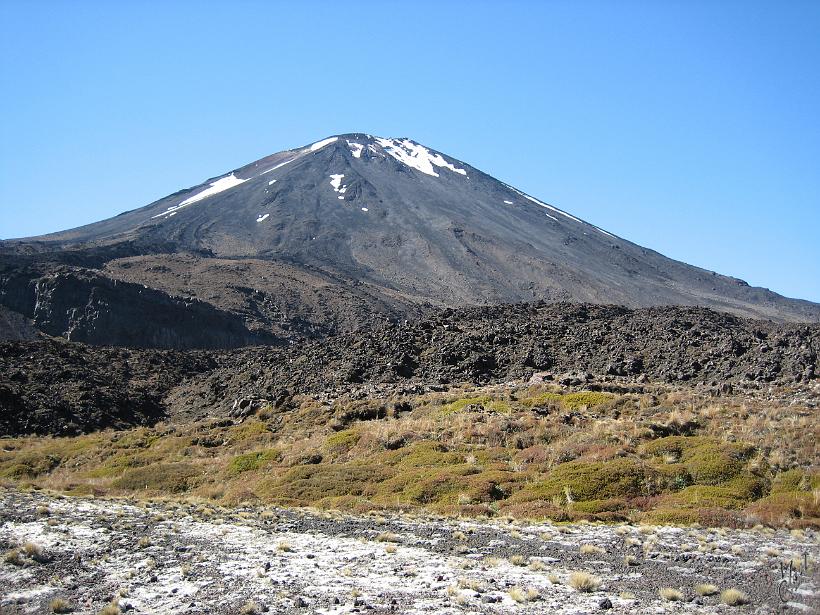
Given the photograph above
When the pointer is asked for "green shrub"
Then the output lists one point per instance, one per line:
(543, 399)
(488, 403)
(795, 480)
(161, 477)
(342, 441)
(573, 401)
(708, 461)
(303, 485)
(32, 465)
(424, 453)
(253, 461)
(618, 478)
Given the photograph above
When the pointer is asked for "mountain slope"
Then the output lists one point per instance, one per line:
(408, 225)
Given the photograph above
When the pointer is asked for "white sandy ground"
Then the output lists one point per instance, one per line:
(95, 553)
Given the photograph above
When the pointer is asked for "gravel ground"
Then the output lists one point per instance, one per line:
(185, 558)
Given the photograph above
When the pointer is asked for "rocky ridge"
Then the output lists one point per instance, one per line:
(58, 387)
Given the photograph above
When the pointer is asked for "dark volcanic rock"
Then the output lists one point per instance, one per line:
(491, 344)
(60, 387)
(85, 306)
(15, 326)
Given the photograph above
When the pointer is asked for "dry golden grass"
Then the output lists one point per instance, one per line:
(60, 605)
(518, 560)
(13, 557)
(734, 597)
(250, 608)
(521, 596)
(706, 589)
(111, 609)
(670, 594)
(584, 582)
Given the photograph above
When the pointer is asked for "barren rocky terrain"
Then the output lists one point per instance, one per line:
(50, 386)
(190, 558)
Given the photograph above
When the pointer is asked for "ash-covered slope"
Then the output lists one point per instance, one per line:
(409, 225)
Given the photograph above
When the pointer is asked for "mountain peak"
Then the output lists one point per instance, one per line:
(412, 225)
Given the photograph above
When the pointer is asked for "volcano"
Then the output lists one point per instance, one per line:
(331, 235)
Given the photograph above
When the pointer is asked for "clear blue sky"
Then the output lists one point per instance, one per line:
(689, 127)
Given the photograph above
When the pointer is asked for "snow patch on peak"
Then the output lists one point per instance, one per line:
(558, 211)
(336, 180)
(600, 230)
(321, 144)
(220, 185)
(355, 149)
(416, 156)
(550, 207)
(262, 218)
(278, 166)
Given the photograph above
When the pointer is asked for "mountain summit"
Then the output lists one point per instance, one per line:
(357, 224)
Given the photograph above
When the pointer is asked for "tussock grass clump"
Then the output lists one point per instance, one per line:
(111, 609)
(734, 597)
(523, 595)
(388, 537)
(518, 560)
(588, 549)
(60, 605)
(584, 582)
(13, 557)
(144, 542)
(284, 546)
(29, 552)
(250, 608)
(473, 584)
(671, 594)
(706, 589)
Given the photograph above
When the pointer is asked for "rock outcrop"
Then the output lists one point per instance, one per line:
(85, 306)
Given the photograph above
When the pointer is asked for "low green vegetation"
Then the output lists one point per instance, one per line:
(534, 451)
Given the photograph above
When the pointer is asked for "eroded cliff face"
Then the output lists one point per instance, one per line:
(85, 306)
